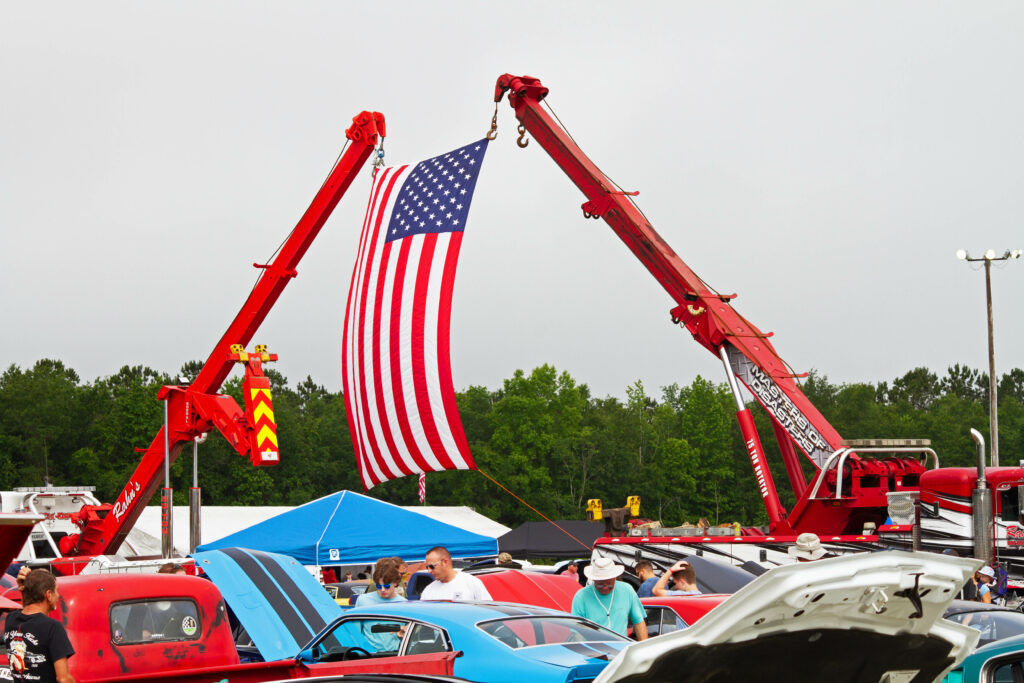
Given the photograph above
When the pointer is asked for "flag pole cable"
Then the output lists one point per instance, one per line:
(499, 485)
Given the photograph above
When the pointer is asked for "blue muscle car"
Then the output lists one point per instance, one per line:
(499, 642)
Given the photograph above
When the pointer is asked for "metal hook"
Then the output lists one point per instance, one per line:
(493, 132)
(379, 161)
(521, 140)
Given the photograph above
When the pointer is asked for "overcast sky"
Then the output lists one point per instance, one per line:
(822, 160)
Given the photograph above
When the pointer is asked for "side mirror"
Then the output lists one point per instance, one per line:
(311, 655)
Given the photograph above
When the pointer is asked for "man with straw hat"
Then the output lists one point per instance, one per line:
(609, 602)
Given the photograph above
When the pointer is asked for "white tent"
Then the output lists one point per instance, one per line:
(218, 521)
(465, 518)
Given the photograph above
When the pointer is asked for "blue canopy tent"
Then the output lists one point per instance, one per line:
(349, 528)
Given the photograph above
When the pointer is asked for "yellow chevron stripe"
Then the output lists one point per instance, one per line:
(262, 410)
(256, 392)
(266, 434)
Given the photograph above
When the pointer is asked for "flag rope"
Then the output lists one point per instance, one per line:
(546, 518)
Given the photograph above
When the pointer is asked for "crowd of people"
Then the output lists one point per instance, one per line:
(39, 646)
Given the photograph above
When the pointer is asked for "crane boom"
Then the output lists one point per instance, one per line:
(833, 505)
(706, 314)
(197, 408)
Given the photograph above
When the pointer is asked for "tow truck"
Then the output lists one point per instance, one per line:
(862, 493)
(192, 410)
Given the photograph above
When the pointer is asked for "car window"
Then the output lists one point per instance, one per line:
(1008, 672)
(527, 632)
(380, 637)
(154, 621)
(663, 620)
(994, 625)
(425, 639)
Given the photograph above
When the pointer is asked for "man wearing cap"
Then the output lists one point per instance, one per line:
(985, 577)
(807, 548)
(609, 602)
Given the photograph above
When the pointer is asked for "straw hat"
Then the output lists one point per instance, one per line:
(807, 547)
(602, 569)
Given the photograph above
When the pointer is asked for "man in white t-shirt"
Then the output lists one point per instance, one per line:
(448, 583)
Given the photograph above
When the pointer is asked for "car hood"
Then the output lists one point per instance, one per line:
(851, 619)
(274, 597)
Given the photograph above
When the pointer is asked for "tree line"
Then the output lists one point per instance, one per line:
(541, 434)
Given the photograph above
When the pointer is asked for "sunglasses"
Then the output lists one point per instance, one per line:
(384, 586)
(430, 567)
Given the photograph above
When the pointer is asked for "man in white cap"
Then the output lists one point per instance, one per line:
(609, 602)
(984, 578)
(807, 548)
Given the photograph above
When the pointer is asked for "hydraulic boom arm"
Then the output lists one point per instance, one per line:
(197, 408)
(708, 315)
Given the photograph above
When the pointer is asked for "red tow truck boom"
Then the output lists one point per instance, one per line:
(197, 408)
(849, 495)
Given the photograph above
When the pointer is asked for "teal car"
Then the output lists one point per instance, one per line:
(1001, 661)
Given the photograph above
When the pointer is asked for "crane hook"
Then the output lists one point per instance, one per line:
(521, 140)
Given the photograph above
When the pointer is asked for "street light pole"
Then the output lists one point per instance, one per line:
(993, 407)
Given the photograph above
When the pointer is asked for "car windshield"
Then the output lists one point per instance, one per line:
(993, 624)
(527, 632)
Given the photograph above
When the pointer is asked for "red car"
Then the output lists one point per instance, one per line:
(675, 612)
(554, 591)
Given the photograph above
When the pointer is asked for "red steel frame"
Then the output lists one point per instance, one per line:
(198, 408)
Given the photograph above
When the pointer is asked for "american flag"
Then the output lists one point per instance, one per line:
(395, 360)
(423, 488)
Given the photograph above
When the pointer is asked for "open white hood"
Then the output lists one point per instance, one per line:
(872, 618)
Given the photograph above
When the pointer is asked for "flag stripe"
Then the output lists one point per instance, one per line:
(423, 336)
(379, 470)
(400, 363)
(351, 385)
(381, 405)
(382, 464)
(447, 386)
(435, 393)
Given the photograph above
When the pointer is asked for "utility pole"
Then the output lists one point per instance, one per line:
(993, 408)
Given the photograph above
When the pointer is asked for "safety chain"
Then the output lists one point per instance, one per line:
(493, 132)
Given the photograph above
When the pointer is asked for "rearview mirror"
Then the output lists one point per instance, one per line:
(385, 628)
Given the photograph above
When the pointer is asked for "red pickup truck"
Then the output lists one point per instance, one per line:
(158, 627)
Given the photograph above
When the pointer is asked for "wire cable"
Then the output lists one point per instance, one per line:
(546, 518)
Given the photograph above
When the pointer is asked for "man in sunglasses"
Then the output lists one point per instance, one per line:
(386, 578)
(449, 583)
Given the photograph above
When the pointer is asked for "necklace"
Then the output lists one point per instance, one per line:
(608, 609)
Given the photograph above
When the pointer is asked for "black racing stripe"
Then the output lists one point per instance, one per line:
(585, 650)
(510, 611)
(606, 648)
(298, 597)
(291, 619)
